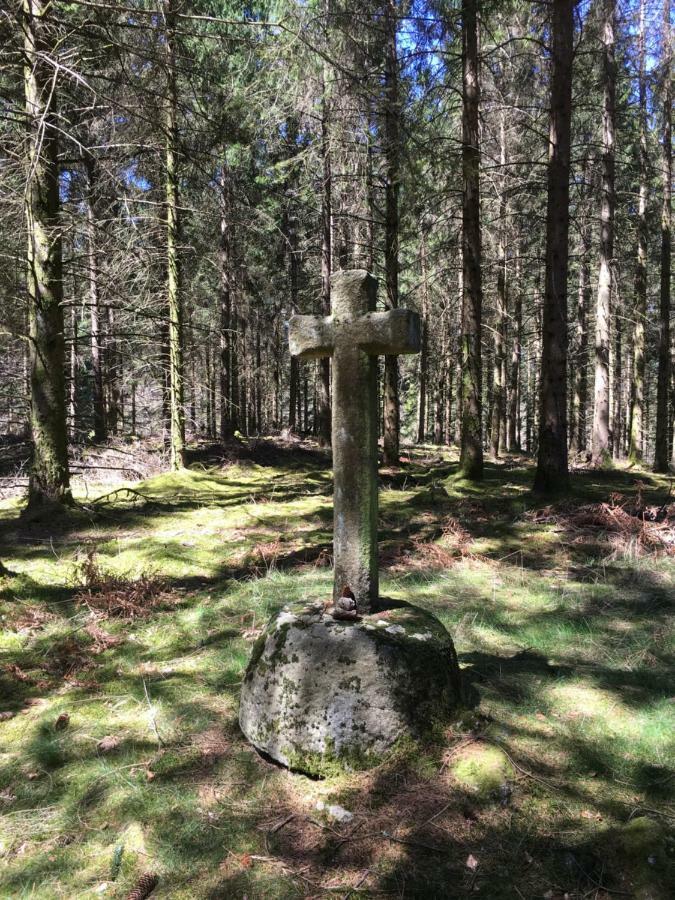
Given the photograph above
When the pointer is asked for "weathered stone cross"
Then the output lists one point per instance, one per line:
(355, 335)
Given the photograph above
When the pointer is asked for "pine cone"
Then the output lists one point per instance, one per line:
(146, 885)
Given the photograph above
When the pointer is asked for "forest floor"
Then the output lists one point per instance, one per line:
(126, 629)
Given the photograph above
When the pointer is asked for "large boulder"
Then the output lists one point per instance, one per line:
(321, 694)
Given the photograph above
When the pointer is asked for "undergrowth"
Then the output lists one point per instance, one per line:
(120, 752)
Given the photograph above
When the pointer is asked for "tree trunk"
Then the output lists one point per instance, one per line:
(392, 139)
(448, 375)
(635, 449)
(513, 440)
(664, 364)
(175, 304)
(113, 373)
(49, 481)
(498, 435)
(552, 474)
(580, 394)
(228, 423)
(617, 386)
(258, 376)
(471, 454)
(72, 398)
(98, 395)
(207, 394)
(294, 381)
(600, 443)
(133, 407)
(323, 386)
(165, 366)
(424, 350)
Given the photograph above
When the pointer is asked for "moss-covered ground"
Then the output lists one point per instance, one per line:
(558, 783)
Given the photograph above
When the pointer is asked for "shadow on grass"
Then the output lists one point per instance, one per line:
(210, 804)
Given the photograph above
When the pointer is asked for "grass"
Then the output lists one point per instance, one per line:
(559, 781)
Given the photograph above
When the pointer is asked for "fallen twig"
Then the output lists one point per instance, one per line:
(390, 837)
(153, 720)
(280, 825)
(357, 885)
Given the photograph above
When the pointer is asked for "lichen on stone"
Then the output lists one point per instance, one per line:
(317, 695)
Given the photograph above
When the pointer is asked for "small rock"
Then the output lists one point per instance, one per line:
(505, 792)
(344, 614)
(335, 811)
(395, 629)
(422, 637)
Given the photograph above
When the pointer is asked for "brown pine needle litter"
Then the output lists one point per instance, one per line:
(626, 524)
(117, 596)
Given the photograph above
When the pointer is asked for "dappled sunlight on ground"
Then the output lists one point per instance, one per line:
(558, 780)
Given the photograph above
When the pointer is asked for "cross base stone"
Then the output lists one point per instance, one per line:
(322, 695)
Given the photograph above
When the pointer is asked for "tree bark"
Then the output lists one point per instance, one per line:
(471, 453)
(392, 139)
(174, 291)
(424, 349)
(112, 374)
(98, 394)
(49, 481)
(635, 449)
(228, 419)
(580, 391)
(552, 473)
(323, 386)
(600, 443)
(616, 430)
(513, 439)
(73, 395)
(498, 436)
(665, 362)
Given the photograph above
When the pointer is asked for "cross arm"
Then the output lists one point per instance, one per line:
(390, 333)
(311, 336)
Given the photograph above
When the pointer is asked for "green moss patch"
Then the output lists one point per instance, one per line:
(483, 770)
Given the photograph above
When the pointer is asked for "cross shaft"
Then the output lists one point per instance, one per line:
(355, 335)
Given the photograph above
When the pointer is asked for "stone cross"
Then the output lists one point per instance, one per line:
(355, 335)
